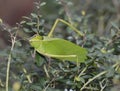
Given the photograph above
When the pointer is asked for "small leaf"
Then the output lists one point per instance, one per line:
(43, 3)
(34, 15)
(77, 78)
(1, 20)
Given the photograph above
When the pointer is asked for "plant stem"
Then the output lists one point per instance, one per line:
(98, 75)
(13, 38)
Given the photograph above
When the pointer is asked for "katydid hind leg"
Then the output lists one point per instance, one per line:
(66, 23)
(62, 57)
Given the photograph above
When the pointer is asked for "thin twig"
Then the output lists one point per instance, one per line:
(13, 40)
(67, 11)
(98, 75)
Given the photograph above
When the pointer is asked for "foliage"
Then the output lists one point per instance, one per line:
(35, 72)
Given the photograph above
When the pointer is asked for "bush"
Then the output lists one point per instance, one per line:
(35, 72)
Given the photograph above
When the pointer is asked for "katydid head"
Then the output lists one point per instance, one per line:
(35, 39)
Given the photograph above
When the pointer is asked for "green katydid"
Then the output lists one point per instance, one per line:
(59, 48)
